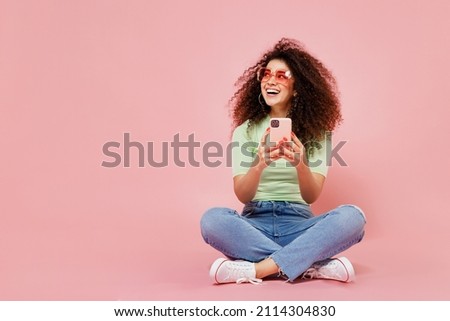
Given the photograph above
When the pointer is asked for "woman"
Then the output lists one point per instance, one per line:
(276, 231)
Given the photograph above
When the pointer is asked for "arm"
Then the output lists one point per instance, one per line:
(310, 184)
(246, 185)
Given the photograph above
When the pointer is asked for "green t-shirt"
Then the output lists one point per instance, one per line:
(278, 181)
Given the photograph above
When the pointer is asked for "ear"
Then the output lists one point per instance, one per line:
(295, 94)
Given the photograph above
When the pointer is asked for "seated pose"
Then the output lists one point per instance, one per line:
(276, 233)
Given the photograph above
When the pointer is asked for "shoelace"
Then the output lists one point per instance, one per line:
(250, 280)
(314, 273)
(236, 270)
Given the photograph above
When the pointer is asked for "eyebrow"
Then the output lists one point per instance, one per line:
(277, 69)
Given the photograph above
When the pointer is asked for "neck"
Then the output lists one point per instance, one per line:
(279, 112)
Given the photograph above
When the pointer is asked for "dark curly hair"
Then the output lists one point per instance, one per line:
(316, 108)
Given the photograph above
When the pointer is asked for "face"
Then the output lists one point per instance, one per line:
(277, 84)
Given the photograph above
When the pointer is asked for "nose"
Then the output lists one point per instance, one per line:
(271, 80)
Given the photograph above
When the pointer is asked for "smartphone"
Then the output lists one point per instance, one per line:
(279, 128)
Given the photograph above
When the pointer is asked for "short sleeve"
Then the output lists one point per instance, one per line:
(243, 150)
(318, 155)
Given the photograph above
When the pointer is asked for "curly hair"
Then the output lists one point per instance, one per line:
(316, 108)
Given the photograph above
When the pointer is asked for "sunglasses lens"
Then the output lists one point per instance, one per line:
(282, 76)
(263, 74)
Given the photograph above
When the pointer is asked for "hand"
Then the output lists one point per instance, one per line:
(293, 151)
(267, 153)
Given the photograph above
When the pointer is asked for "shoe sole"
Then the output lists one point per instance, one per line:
(348, 267)
(214, 268)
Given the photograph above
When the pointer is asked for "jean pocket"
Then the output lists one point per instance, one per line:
(248, 209)
(301, 209)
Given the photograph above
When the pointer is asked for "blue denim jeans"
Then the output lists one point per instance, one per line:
(286, 232)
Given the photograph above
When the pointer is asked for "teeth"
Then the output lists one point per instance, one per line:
(272, 91)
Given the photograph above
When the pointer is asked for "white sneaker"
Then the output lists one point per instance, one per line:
(227, 271)
(339, 269)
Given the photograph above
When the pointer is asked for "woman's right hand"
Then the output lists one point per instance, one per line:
(267, 152)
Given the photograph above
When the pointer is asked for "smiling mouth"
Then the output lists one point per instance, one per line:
(272, 92)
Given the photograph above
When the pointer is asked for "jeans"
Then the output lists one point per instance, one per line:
(287, 232)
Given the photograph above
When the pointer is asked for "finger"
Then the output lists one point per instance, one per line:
(268, 150)
(275, 154)
(282, 142)
(296, 140)
(266, 132)
(264, 136)
(288, 153)
(270, 147)
(292, 155)
(286, 145)
(295, 147)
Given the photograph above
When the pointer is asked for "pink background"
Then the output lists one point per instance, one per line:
(77, 74)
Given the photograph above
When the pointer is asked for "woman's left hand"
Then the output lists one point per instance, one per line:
(293, 151)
